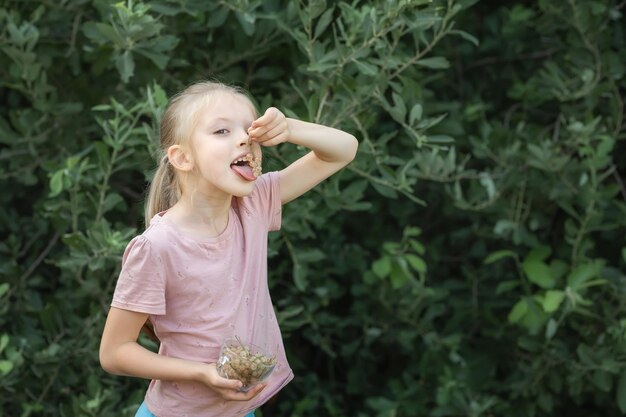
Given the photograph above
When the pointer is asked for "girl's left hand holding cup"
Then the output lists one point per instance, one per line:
(270, 129)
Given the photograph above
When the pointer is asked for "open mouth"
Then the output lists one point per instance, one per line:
(248, 167)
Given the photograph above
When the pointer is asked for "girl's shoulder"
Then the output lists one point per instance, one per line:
(263, 205)
(155, 238)
(265, 190)
(264, 201)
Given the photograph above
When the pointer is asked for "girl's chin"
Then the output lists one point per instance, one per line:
(230, 184)
(243, 189)
(243, 193)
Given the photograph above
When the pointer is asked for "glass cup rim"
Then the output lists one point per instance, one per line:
(232, 341)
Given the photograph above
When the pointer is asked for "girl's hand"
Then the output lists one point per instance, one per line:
(270, 129)
(228, 389)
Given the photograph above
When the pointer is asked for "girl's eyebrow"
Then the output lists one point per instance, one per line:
(227, 120)
(216, 122)
(220, 119)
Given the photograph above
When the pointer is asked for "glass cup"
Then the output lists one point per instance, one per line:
(246, 362)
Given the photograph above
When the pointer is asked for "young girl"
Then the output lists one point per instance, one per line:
(198, 273)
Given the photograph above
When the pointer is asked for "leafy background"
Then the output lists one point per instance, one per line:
(469, 262)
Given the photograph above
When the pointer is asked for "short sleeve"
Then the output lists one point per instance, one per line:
(141, 284)
(265, 202)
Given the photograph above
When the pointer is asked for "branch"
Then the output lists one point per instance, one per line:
(41, 256)
(495, 60)
(619, 182)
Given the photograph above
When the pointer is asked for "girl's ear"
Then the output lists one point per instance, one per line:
(179, 158)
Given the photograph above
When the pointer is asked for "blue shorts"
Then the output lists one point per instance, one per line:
(144, 412)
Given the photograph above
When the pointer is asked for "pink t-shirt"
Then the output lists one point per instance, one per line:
(200, 291)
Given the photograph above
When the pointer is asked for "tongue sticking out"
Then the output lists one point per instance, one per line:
(244, 171)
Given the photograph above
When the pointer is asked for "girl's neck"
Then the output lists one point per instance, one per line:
(200, 215)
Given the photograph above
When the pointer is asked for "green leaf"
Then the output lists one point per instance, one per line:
(160, 97)
(431, 121)
(384, 406)
(382, 267)
(111, 201)
(56, 183)
(539, 273)
(440, 139)
(583, 273)
(496, 256)
(125, 65)
(311, 255)
(466, 36)
(384, 190)
(315, 8)
(518, 311)
(398, 277)
(624, 254)
(416, 262)
(159, 59)
(101, 107)
(535, 318)
(506, 286)
(558, 268)
(539, 253)
(436, 62)
(323, 22)
(552, 300)
(288, 313)
(4, 288)
(246, 22)
(398, 111)
(417, 246)
(300, 277)
(110, 34)
(602, 379)
(4, 341)
(585, 353)
(5, 367)
(416, 114)
(217, 18)
(551, 328)
(366, 68)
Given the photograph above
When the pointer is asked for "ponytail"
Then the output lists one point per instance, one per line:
(164, 190)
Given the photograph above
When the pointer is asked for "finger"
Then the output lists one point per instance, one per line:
(277, 130)
(258, 130)
(272, 133)
(227, 384)
(256, 391)
(244, 396)
(270, 114)
(261, 130)
(276, 140)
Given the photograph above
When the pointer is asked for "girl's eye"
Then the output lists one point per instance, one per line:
(221, 132)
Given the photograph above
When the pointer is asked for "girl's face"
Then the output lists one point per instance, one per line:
(220, 142)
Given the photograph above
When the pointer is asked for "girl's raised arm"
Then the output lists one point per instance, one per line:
(332, 149)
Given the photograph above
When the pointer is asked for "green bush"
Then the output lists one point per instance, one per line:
(469, 262)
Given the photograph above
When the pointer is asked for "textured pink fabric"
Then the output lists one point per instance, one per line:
(200, 291)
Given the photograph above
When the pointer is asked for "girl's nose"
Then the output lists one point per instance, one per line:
(245, 140)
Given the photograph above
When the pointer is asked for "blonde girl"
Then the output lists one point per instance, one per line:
(198, 273)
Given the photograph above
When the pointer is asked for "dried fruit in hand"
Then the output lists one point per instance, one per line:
(248, 364)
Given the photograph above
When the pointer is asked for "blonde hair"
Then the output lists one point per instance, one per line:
(177, 125)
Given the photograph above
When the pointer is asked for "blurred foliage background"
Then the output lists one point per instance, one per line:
(469, 262)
